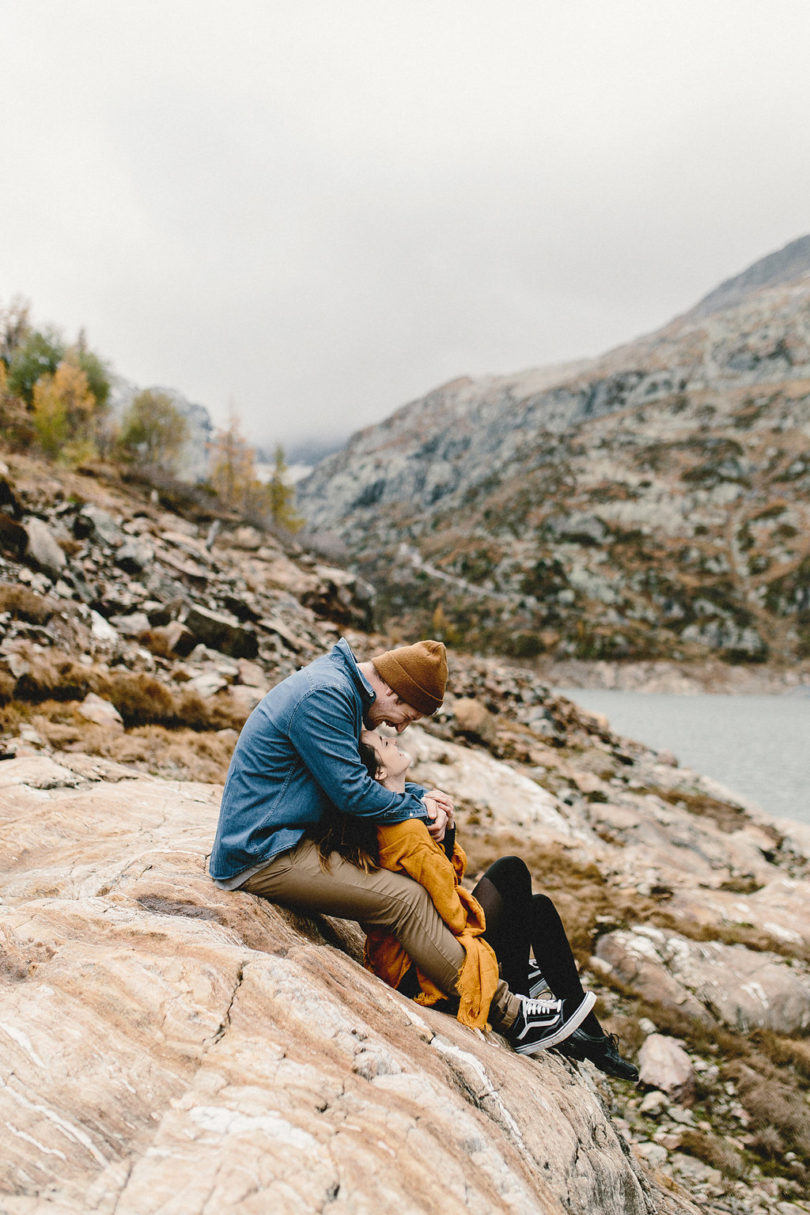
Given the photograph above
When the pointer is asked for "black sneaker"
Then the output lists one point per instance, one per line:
(543, 1023)
(603, 1051)
(537, 986)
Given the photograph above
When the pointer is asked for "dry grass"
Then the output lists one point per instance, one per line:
(772, 1104)
(714, 1152)
(157, 642)
(727, 817)
(7, 686)
(178, 754)
(53, 676)
(25, 604)
(140, 698)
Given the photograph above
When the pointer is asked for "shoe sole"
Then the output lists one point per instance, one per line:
(619, 1071)
(564, 1031)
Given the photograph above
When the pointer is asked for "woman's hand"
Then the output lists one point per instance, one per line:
(446, 802)
(438, 820)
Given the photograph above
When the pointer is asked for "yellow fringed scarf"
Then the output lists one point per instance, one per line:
(409, 848)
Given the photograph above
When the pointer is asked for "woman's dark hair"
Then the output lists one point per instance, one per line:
(370, 758)
(353, 838)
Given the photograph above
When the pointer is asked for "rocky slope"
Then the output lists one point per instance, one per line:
(169, 1047)
(650, 504)
(174, 619)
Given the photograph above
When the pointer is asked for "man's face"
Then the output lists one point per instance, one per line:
(391, 710)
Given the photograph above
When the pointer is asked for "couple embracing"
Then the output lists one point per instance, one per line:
(317, 814)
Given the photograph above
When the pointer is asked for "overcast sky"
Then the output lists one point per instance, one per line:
(317, 211)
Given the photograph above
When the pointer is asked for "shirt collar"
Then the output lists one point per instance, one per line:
(343, 653)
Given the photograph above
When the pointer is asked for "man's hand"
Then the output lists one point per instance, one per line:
(438, 821)
(446, 802)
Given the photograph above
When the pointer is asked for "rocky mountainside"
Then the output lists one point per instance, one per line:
(652, 503)
(168, 1047)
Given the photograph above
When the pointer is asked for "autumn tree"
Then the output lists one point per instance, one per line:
(234, 477)
(65, 412)
(153, 432)
(232, 469)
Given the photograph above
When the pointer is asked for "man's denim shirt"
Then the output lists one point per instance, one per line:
(297, 755)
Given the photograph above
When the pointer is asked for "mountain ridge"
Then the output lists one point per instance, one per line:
(706, 419)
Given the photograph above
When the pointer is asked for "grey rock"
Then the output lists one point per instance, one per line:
(42, 550)
(207, 683)
(134, 556)
(654, 1103)
(739, 986)
(220, 632)
(101, 712)
(177, 638)
(94, 521)
(131, 625)
(577, 528)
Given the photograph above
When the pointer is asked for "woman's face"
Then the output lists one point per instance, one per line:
(392, 759)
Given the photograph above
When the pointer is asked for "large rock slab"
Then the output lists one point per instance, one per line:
(741, 987)
(169, 1047)
(508, 796)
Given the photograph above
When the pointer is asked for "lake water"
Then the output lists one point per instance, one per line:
(758, 746)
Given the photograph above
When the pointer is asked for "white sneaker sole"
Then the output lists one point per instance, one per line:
(561, 1032)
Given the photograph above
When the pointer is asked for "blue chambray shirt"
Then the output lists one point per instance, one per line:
(297, 755)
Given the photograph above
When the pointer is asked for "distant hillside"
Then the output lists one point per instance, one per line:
(651, 503)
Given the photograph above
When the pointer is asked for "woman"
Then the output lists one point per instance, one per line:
(497, 924)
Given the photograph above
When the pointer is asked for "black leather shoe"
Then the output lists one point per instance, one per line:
(602, 1050)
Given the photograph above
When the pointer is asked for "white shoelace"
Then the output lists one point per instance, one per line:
(540, 1008)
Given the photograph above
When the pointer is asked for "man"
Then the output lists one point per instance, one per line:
(297, 755)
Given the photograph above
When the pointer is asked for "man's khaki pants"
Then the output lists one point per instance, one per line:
(381, 899)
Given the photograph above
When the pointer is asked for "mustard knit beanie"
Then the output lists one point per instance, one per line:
(417, 673)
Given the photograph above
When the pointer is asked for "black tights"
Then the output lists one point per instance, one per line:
(518, 921)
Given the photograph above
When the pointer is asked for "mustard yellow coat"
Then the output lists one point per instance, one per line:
(409, 848)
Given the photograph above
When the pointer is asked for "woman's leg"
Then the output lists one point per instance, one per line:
(517, 919)
(505, 893)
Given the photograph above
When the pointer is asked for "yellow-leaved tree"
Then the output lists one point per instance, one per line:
(232, 468)
(233, 474)
(65, 412)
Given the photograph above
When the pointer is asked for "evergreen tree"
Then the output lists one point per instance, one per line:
(39, 354)
(282, 495)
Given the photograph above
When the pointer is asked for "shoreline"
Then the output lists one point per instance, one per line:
(676, 678)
